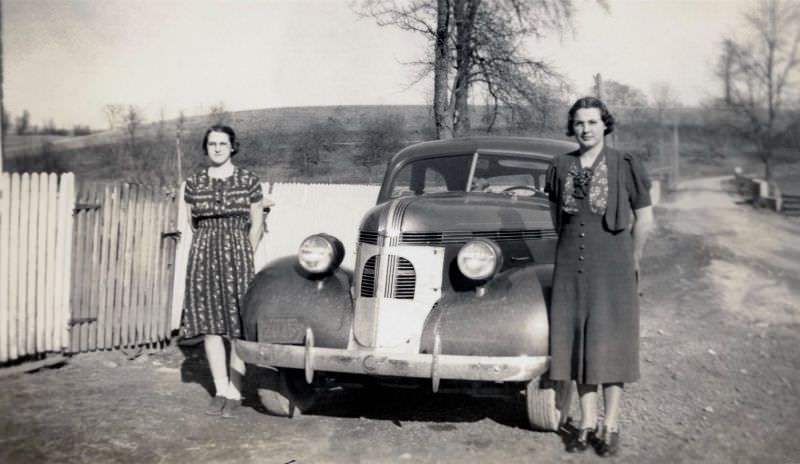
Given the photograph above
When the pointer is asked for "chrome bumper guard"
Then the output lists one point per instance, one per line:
(434, 366)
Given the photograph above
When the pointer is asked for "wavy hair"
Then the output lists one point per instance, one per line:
(225, 130)
(585, 103)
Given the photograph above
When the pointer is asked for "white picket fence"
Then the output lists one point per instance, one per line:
(300, 210)
(35, 262)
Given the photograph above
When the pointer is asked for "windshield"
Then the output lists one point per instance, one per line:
(492, 173)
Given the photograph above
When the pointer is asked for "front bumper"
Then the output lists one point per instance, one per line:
(434, 366)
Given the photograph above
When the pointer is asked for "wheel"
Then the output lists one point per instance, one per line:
(547, 403)
(285, 393)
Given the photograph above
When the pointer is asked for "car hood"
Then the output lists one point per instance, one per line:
(457, 212)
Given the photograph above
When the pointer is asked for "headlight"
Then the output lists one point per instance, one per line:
(320, 254)
(479, 259)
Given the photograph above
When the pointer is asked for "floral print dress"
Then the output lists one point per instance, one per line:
(221, 257)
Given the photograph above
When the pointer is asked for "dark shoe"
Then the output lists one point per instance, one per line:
(231, 408)
(580, 441)
(215, 406)
(608, 443)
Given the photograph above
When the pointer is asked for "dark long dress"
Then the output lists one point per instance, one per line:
(221, 257)
(594, 311)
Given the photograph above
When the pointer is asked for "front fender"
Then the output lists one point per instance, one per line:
(510, 319)
(282, 291)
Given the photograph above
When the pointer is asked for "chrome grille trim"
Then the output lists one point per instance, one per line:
(401, 280)
(405, 281)
(451, 237)
(368, 276)
(368, 237)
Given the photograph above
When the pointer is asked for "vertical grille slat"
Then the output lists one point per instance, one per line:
(368, 277)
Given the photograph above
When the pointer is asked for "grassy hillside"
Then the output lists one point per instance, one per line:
(273, 142)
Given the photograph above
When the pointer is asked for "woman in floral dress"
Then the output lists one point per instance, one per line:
(227, 220)
(602, 211)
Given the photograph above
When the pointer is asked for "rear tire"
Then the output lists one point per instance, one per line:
(547, 403)
(285, 393)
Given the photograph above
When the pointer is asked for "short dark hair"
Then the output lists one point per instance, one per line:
(226, 130)
(590, 102)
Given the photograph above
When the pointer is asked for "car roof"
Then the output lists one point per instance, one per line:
(485, 144)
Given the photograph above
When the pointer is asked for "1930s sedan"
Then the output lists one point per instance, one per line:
(450, 287)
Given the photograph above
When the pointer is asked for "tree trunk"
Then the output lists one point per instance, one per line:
(444, 126)
(464, 15)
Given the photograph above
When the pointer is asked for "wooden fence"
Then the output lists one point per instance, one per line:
(35, 247)
(122, 267)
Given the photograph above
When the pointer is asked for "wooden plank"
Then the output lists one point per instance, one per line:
(40, 322)
(168, 269)
(5, 307)
(66, 205)
(137, 265)
(170, 266)
(124, 251)
(134, 216)
(14, 277)
(155, 286)
(77, 271)
(146, 289)
(105, 246)
(163, 281)
(24, 260)
(81, 280)
(94, 268)
(111, 263)
(163, 307)
(53, 276)
(145, 285)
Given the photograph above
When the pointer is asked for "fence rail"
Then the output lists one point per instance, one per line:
(35, 249)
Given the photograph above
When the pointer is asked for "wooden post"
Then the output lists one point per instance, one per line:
(675, 152)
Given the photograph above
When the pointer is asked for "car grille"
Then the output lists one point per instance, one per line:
(368, 237)
(443, 238)
(401, 281)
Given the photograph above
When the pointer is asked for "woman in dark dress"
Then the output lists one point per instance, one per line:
(601, 208)
(227, 220)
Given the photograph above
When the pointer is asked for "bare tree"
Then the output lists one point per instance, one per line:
(760, 74)
(114, 114)
(23, 123)
(133, 120)
(218, 114)
(481, 43)
(665, 101)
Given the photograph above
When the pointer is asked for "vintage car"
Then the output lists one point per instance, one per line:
(450, 286)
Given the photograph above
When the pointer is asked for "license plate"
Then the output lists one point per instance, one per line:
(281, 330)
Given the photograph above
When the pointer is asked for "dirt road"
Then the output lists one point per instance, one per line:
(720, 320)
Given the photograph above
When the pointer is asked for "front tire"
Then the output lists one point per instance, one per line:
(547, 403)
(285, 393)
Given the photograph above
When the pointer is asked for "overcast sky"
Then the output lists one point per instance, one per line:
(66, 59)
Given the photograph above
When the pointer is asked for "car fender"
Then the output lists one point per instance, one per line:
(283, 291)
(508, 319)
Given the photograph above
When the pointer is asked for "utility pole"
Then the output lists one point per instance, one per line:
(599, 91)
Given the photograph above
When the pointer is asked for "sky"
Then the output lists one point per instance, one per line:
(65, 59)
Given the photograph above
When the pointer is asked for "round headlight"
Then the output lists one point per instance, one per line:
(320, 253)
(479, 259)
